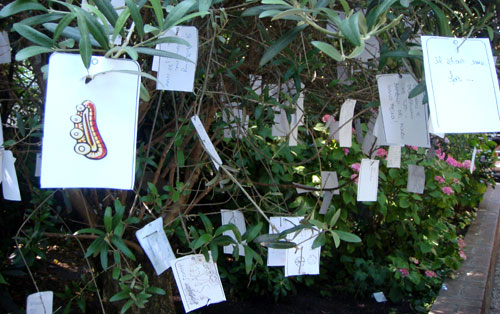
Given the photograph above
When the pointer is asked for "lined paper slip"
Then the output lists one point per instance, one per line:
(404, 119)
(10, 185)
(345, 123)
(5, 56)
(277, 257)
(154, 242)
(198, 281)
(303, 260)
(236, 218)
(90, 127)
(368, 180)
(416, 179)
(462, 84)
(237, 120)
(206, 142)
(40, 303)
(175, 74)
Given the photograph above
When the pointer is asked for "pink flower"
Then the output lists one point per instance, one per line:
(355, 177)
(462, 254)
(447, 190)
(439, 179)
(461, 243)
(356, 166)
(346, 151)
(414, 260)
(326, 117)
(440, 154)
(453, 162)
(455, 180)
(466, 164)
(430, 273)
(404, 272)
(381, 152)
(415, 148)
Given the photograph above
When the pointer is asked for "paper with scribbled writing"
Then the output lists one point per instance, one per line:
(394, 156)
(405, 119)
(416, 179)
(154, 242)
(303, 260)
(236, 218)
(198, 281)
(40, 303)
(277, 257)
(368, 180)
(462, 84)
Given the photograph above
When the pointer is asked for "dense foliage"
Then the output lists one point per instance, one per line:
(409, 242)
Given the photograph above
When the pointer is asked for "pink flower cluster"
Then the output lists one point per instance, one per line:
(452, 161)
(381, 152)
(462, 254)
(326, 117)
(414, 260)
(431, 274)
(346, 151)
(404, 272)
(439, 179)
(461, 243)
(356, 167)
(447, 190)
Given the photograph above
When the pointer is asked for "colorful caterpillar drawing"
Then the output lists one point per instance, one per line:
(88, 139)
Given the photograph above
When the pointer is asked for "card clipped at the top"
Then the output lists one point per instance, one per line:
(462, 84)
(90, 124)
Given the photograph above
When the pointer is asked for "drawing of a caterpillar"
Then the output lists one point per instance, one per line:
(88, 139)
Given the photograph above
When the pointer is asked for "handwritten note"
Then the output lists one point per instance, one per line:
(154, 242)
(394, 156)
(10, 185)
(236, 218)
(206, 142)
(303, 260)
(175, 74)
(198, 281)
(462, 84)
(416, 179)
(405, 119)
(237, 120)
(345, 122)
(277, 257)
(40, 303)
(368, 181)
(5, 56)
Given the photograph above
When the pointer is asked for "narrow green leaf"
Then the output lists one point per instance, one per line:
(30, 52)
(108, 220)
(334, 219)
(204, 5)
(177, 13)
(319, 240)
(252, 232)
(33, 35)
(85, 47)
(95, 247)
(443, 20)
(280, 245)
(202, 240)
(107, 9)
(91, 230)
(281, 44)
(65, 21)
(336, 238)
(180, 158)
(214, 251)
(187, 18)
(20, 6)
(268, 237)
(70, 32)
(97, 30)
(136, 16)
(44, 18)
(350, 28)
(122, 247)
(120, 296)
(248, 259)
(228, 227)
(329, 50)
(281, 2)
(206, 223)
(417, 90)
(288, 13)
(347, 237)
(376, 12)
(161, 53)
(116, 273)
(169, 40)
(104, 257)
(120, 23)
(156, 290)
(257, 10)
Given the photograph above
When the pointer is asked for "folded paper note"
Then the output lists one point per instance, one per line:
(154, 242)
(90, 124)
(40, 303)
(462, 84)
(236, 218)
(394, 156)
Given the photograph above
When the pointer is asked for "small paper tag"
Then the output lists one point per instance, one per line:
(198, 281)
(303, 260)
(277, 257)
(329, 180)
(394, 156)
(38, 165)
(379, 297)
(369, 144)
(345, 122)
(5, 56)
(416, 179)
(236, 218)
(473, 160)
(368, 180)
(40, 303)
(154, 242)
(206, 142)
(359, 131)
(10, 185)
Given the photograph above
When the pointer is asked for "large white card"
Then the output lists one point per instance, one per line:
(206, 142)
(10, 185)
(345, 123)
(462, 84)
(40, 303)
(405, 119)
(236, 218)
(90, 128)
(154, 242)
(277, 257)
(368, 180)
(175, 74)
(198, 281)
(5, 56)
(303, 260)
(416, 179)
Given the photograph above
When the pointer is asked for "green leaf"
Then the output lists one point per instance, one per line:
(335, 217)
(33, 35)
(319, 241)
(350, 28)
(116, 273)
(2, 280)
(65, 21)
(206, 223)
(281, 44)
(104, 257)
(329, 50)
(292, 13)
(97, 30)
(156, 290)
(417, 90)
(281, 2)
(108, 220)
(44, 18)
(70, 32)
(228, 227)
(120, 23)
(31, 51)
(161, 53)
(257, 10)
(280, 245)
(177, 13)
(443, 20)
(136, 16)
(202, 240)
(375, 13)
(95, 247)
(20, 6)
(252, 232)
(158, 10)
(263, 239)
(336, 238)
(180, 158)
(122, 247)
(91, 230)
(204, 5)
(85, 47)
(214, 251)
(107, 9)
(124, 294)
(170, 39)
(347, 237)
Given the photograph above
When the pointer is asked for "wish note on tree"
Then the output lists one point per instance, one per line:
(154, 242)
(206, 142)
(277, 257)
(4, 48)
(40, 303)
(368, 180)
(198, 281)
(90, 123)
(345, 123)
(416, 179)
(462, 84)
(303, 260)
(404, 118)
(236, 218)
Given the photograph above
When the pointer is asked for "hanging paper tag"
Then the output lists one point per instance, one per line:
(473, 160)
(206, 142)
(368, 180)
(38, 165)
(303, 260)
(5, 56)
(345, 123)
(40, 303)
(277, 257)
(394, 156)
(10, 185)
(416, 179)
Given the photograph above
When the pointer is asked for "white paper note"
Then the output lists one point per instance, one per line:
(38, 165)
(394, 156)
(359, 131)
(345, 122)
(90, 129)
(379, 131)
(431, 128)
(236, 218)
(5, 56)
(405, 119)
(175, 74)
(154, 242)
(206, 142)
(40, 303)
(416, 179)
(237, 120)
(473, 160)
(198, 281)
(277, 257)
(368, 180)
(329, 180)
(10, 185)
(303, 260)
(379, 297)
(462, 84)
